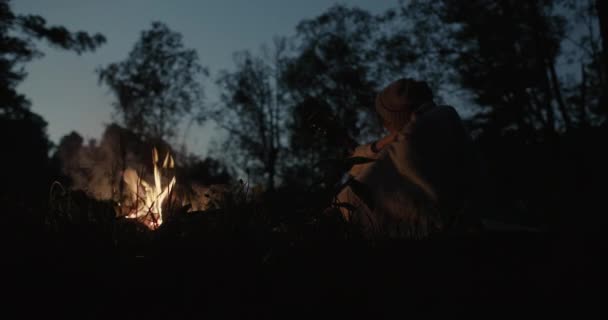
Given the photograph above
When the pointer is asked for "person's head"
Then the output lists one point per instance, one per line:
(397, 102)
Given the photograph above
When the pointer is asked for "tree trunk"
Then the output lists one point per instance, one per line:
(271, 170)
(558, 96)
(602, 13)
(535, 108)
(544, 61)
(582, 117)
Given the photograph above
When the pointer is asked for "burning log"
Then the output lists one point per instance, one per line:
(146, 201)
(118, 169)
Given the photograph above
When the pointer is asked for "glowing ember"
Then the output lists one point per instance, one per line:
(148, 200)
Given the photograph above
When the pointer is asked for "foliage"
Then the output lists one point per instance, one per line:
(332, 91)
(253, 111)
(23, 139)
(17, 46)
(513, 58)
(535, 71)
(157, 85)
(26, 167)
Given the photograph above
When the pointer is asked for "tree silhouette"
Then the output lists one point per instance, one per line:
(157, 85)
(602, 13)
(507, 56)
(23, 138)
(17, 46)
(585, 94)
(332, 89)
(252, 111)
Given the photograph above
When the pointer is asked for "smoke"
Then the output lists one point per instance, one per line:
(97, 168)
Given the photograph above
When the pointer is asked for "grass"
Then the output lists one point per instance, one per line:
(277, 256)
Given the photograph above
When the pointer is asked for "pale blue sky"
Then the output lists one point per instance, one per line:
(63, 86)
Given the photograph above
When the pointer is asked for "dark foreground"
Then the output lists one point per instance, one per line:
(279, 275)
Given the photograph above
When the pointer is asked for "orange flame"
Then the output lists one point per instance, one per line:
(148, 200)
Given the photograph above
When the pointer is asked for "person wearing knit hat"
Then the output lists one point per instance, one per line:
(422, 173)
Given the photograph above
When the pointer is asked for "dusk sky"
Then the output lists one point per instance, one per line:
(64, 89)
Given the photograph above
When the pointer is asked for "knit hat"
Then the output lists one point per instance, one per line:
(399, 99)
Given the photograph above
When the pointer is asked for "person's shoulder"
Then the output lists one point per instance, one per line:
(446, 108)
(445, 111)
(440, 120)
(438, 111)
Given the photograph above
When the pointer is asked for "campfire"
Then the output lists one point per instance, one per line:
(139, 177)
(145, 200)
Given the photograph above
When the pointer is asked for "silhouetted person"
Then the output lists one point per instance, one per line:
(425, 173)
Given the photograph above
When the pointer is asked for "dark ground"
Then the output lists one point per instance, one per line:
(166, 275)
